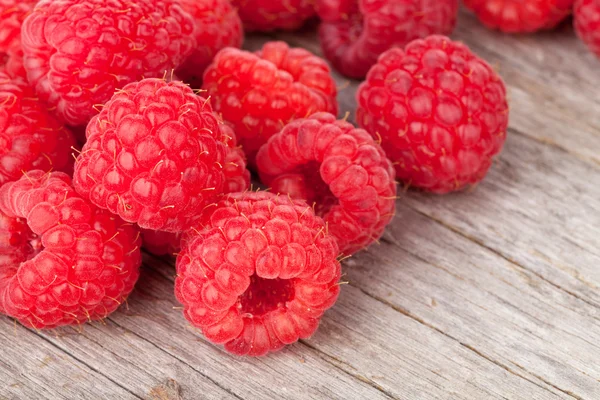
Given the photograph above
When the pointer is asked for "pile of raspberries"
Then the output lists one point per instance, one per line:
(135, 125)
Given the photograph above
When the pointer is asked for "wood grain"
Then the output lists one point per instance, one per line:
(488, 294)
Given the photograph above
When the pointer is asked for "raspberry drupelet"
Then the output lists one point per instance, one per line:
(259, 273)
(261, 92)
(441, 113)
(218, 25)
(12, 15)
(77, 52)
(355, 32)
(586, 17)
(30, 138)
(338, 168)
(155, 155)
(62, 260)
(269, 15)
(519, 16)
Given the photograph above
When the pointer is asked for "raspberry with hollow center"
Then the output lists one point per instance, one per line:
(218, 25)
(339, 168)
(268, 15)
(518, 16)
(259, 274)
(355, 32)
(440, 111)
(259, 93)
(155, 155)
(62, 260)
(77, 52)
(30, 138)
(586, 17)
(12, 15)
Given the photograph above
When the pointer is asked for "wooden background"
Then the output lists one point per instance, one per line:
(491, 294)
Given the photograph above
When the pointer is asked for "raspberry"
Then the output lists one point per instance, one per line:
(217, 26)
(519, 16)
(161, 243)
(339, 168)
(30, 138)
(259, 93)
(355, 32)
(77, 52)
(268, 15)
(12, 14)
(259, 274)
(154, 155)
(62, 260)
(587, 23)
(440, 110)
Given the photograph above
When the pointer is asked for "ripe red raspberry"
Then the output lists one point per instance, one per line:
(30, 138)
(268, 15)
(12, 14)
(355, 32)
(77, 52)
(515, 16)
(154, 155)
(259, 274)
(62, 260)
(587, 23)
(218, 25)
(259, 93)
(440, 110)
(340, 169)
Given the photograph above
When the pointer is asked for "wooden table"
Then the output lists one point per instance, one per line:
(490, 294)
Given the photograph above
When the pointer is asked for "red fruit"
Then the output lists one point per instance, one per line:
(161, 243)
(355, 32)
(440, 111)
(218, 25)
(30, 138)
(12, 14)
(77, 52)
(519, 16)
(339, 168)
(62, 260)
(268, 15)
(587, 23)
(259, 274)
(155, 155)
(260, 93)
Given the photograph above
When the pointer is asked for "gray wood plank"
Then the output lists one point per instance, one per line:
(537, 208)
(491, 306)
(32, 368)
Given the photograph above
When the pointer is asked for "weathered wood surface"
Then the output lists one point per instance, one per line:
(491, 294)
